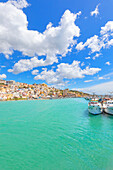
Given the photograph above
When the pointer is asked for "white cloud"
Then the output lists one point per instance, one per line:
(87, 58)
(19, 3)
(96, 43)
(110, 43)
(82, 64)
(107, 28)
(3, 76)
(101, 78)
(3, 66)
(93, 43)
(87, 81)
(65, 71)
(7, 56)
(35, 72)
(108, 63)
(80, 46)
(96, 56)
(107, 33)
(103, 88)
(106, 76)
(14, 35)
(49, 76)
(29, 64)
(96, 11)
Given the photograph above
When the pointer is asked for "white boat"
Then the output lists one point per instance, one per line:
(108, 106)
(95, 107)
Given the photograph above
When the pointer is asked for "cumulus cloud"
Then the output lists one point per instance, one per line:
(3, 76)
(96, 43)
(15, 35)
(110, 43)
(107, 28)
(93, 43)
(19, 3)
(100, 89)
(65, 71)
(80, 46)
(35, 72)
(7, 56)
(96, 56)
(29, 64)
(108, 63)
(96, 11)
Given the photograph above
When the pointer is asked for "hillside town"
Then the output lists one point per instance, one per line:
(11, 90)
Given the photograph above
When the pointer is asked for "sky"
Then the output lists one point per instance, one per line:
(63, 43)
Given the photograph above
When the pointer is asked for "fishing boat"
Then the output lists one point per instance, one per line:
(108, 107)
(95, 107)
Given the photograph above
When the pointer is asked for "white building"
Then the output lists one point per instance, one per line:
(2, 81)
(10, 82)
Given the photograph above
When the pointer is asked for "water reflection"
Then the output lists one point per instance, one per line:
(95, 121)
(107, 115)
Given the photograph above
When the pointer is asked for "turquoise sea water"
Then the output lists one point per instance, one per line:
(54, 135)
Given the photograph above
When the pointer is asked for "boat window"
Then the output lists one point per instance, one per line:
(110, 103)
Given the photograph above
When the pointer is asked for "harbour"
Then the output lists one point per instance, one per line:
(56, 85)
(54, 134)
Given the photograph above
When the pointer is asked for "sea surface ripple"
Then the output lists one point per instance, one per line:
(54, 135)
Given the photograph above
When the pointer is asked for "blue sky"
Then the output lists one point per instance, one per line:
(62, 43)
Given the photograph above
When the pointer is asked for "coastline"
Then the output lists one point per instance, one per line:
(39, 99)
(15, 91)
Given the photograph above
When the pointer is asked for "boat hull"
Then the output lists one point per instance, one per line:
(108, 110)
(95, 110)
